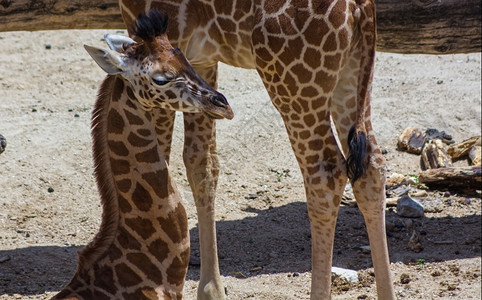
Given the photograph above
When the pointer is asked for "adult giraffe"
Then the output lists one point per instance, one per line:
(316, 60)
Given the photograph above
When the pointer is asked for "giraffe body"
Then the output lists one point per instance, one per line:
(316, 60)
(142, 248)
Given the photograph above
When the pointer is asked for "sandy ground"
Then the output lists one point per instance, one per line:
(49, 206)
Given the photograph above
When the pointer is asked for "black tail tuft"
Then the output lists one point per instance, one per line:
(357, 147)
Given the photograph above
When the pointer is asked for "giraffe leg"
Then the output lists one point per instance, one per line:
(322, 167)
(202, 166)
(369, 190)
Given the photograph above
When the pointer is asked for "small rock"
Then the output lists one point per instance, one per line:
(48, 46)
(400, 191)
(408, 223)
(251, 196)
(255, 269)
(410, 180)
(419, 194)
(391, 202)
(432, 205)
(440, 81)
(434, 134)
(395, 179)
(3, 143)
(50, 190)
(349, 275)
(414, 243)
(409, 208)
(76, 115)
(405, 278)
(194, 261)
(4, 259)
(365, 249)
(389, 226)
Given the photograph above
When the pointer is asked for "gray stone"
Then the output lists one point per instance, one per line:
(3, 143)
(349, 275)
(409, 208)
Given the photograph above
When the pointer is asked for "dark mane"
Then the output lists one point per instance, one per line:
(150, 25)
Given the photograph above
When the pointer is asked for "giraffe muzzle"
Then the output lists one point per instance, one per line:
(221, 108)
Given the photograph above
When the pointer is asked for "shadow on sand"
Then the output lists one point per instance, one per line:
(272, 241)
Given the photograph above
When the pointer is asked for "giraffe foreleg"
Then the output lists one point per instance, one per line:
(202, 166)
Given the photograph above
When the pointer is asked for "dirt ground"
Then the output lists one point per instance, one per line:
(49, 206)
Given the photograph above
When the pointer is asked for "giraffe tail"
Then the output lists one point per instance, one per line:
(356, 160)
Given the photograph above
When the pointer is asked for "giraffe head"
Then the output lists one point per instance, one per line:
(160, 74)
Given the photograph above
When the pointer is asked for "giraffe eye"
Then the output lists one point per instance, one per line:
(160, 80)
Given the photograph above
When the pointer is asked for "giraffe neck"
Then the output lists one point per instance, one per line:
(142, 248)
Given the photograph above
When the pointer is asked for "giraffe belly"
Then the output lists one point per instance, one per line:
(203, 51)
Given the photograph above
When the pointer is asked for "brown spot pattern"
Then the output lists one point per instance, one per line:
(143, 262)
(142, 198)
(143, 227)
(126, 276)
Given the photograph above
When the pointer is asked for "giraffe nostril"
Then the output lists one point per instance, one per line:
(219, 100)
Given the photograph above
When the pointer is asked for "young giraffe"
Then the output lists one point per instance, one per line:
(316, 60)
(142, 249)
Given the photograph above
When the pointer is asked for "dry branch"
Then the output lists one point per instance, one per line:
(416, 26)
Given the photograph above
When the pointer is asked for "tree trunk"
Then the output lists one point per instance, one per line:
(31, 15)
(429, 26)
(414, 26)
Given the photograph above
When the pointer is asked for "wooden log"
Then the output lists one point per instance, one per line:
(16, 15)
(475, 154)
(462, 149)
(434, 156)
(460, 179)
(414, 26)
(411, 140)
(429, 26)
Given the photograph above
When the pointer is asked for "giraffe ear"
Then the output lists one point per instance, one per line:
(110, 61)
(118, 42)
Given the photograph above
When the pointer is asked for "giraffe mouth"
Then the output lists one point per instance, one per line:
(217, 113)
(219, 107)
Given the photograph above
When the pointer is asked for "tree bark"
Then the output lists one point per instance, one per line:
(413, 26)
(460, 179)
(429, 26)
(32, 15)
